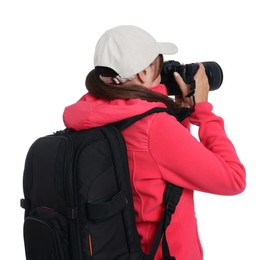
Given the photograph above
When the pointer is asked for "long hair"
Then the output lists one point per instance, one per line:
(102, 90)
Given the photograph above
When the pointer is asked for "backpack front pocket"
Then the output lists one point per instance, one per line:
(46, 235)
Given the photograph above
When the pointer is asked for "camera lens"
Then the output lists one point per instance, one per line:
(214, 74)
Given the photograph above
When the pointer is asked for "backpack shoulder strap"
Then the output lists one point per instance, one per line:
(172, 192)
(171, 198)
(121, 125)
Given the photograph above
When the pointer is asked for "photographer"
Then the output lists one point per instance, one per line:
(126, 81)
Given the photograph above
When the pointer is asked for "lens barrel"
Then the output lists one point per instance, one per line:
(214, 73)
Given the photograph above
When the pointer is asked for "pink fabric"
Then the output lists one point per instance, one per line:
(161, 150)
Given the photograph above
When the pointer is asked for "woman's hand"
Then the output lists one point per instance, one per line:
(201, 87)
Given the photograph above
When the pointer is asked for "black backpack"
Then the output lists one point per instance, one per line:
(78, 201)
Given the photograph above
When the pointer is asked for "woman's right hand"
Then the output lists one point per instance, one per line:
(201, 86)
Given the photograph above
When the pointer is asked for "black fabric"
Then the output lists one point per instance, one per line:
(104, 210)
(46, 236)
(78, 200)
(171, 198)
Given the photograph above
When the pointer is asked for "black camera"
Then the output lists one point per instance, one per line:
(187, 72)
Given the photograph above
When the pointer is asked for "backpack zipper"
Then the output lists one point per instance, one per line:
(70, 185)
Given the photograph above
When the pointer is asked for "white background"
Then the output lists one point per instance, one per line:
(46, 50)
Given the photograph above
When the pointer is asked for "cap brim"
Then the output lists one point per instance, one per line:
(167, 48)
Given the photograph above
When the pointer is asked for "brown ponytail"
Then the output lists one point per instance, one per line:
(101, 90)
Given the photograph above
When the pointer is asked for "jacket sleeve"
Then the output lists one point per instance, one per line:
(209, 165)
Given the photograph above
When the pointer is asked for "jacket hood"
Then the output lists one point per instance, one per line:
(89, 112)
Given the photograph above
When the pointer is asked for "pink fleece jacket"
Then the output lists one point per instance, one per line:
(160, 150)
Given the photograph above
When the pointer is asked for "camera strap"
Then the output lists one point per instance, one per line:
(191, 71)
(192, 89)
(185, 111)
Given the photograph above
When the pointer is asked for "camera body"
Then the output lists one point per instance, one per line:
(187, 72)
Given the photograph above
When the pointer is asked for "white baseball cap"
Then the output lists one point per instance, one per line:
(128, 50)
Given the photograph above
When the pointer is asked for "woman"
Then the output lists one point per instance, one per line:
(126, 82)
